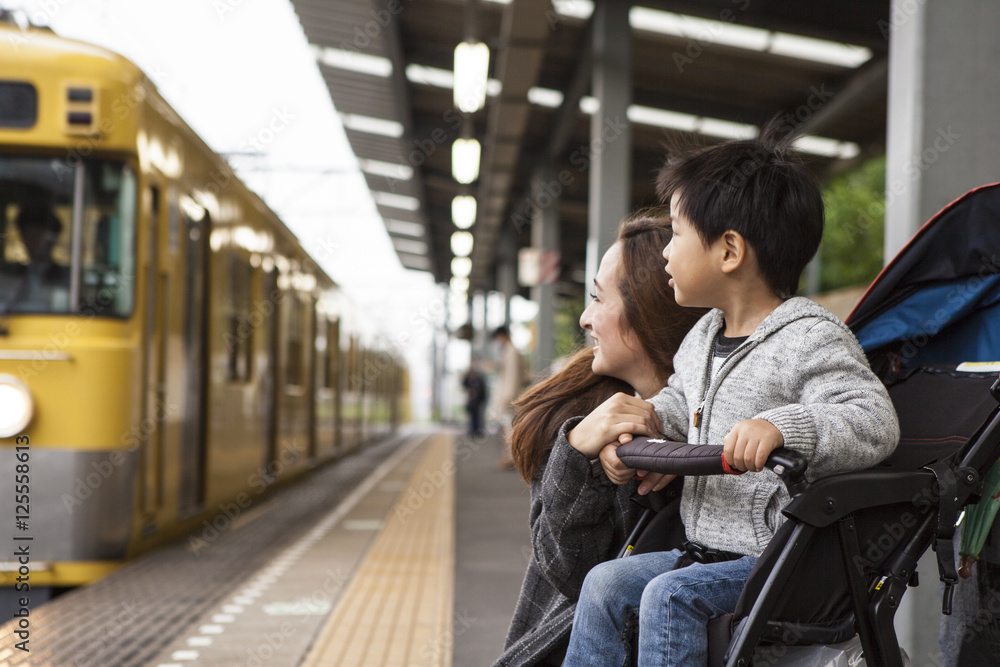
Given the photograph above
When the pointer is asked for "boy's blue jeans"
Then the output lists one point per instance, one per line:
(674, 608)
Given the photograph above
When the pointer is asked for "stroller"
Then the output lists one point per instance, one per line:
(826, 589)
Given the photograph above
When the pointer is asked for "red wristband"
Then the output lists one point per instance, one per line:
(727, 469)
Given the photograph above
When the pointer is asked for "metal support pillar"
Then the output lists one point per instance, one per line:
(942, 129)
(942, 138)
(610, 133)
(545, 237)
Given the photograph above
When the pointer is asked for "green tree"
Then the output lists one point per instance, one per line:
(852, 247)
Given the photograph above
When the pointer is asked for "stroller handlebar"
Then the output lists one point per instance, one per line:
(681, 458)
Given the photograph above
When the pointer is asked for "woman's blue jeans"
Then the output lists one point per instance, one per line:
(674, 608)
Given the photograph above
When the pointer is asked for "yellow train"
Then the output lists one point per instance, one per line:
(167, 347)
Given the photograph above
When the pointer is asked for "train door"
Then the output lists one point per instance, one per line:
(155, 410)
(334, 366)
(193, 452)
(312, 389)
(270, 375)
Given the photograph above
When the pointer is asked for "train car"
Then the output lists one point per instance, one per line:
(168, 350)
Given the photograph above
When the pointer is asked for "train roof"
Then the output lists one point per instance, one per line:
(43, 45)
(40, 43)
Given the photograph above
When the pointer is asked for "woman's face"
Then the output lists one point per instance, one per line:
(616, 351)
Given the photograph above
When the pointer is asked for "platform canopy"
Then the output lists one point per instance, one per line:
(714, 68)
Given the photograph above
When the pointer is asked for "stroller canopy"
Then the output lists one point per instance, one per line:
(938, 300)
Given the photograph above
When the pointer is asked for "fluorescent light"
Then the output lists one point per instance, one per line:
(353, 61)
(461, 244)
(461, 267)
(400, 172)
(714, 127)
(442, 78)
(465, 155)
(662, 118)
(404, 227)
(827, 147)
(410, 245)
(819, 50)
(545, 97)
(577, 9)
(589, 104)
(706, 32)
(393, 200)
(430, 76)
(472, 66)
(359, 123)
(463, 211)
(848, 150)
(459, 284)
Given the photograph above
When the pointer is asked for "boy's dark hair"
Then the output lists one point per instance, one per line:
(756, 187)
(501, 331)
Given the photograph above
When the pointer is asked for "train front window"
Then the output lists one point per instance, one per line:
(66, 236)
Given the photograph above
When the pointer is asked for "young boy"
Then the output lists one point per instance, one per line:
(760, 371)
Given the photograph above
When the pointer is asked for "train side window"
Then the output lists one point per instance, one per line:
(239, 330)
(331, 367)
(296, 328)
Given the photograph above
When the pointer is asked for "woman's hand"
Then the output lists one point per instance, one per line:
(619, 473)
(619, 415)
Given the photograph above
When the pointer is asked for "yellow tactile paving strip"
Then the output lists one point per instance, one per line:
(397, 610)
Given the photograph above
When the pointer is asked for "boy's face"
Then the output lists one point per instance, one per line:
(690, 264)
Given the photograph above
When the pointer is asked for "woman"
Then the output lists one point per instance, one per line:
(579, 518)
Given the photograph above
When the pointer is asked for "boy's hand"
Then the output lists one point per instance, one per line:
(750, 443)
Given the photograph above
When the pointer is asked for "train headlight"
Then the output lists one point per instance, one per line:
(16, 406)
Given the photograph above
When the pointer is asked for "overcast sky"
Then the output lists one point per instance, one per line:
(231, 68)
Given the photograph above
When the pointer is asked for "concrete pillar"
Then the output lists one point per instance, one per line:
(943, 96)
(545, 237)
(610, 134)
(942, 139)
(506, 270)
(487, 337)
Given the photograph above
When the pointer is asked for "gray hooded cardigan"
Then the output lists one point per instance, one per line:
(802, 370)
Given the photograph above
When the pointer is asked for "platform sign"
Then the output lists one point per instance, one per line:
(538, 267)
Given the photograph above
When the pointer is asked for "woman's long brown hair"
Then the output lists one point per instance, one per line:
(650, 314)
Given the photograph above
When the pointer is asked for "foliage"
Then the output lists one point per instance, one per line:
(852, 247)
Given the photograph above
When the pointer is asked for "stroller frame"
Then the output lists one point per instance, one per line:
(924, 503)
(940, 490)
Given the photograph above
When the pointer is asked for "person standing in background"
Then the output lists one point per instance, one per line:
(475, 396)
(511, 379)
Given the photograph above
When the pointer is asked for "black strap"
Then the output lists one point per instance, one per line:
(947, 489)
